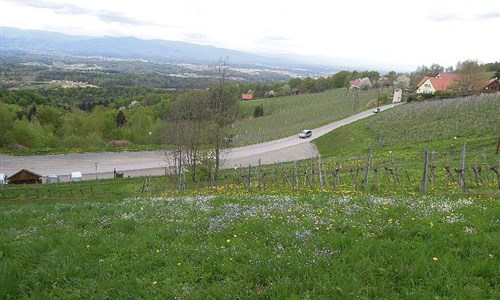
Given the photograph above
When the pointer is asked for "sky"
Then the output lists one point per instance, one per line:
(390, 33)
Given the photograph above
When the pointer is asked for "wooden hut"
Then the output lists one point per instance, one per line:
(25, 177)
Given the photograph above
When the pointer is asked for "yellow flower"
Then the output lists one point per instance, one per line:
(435, 258)
(228, 241)
(154, 282)
(432, 224)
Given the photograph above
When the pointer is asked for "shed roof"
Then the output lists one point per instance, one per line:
(25, 176)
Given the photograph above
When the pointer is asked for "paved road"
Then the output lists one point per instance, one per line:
(101, 165)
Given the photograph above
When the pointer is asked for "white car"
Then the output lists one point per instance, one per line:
(3, 179)
(305, 134)
(76, 176)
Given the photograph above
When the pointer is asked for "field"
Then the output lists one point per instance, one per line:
(252, 247)
(287, 116)
(284, 232)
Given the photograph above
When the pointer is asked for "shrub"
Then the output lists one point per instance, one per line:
(258, 112)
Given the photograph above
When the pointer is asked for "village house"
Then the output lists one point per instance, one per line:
(246, 96)
(492, 86)
(429, 85)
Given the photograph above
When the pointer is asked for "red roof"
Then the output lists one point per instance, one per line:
(246, 96)
(355, 82)
(440, 82)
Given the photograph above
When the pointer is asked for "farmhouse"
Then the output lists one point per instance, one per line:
(429, 85)
(355, 84)
(25, 177)
(492, 86)
(246, 96)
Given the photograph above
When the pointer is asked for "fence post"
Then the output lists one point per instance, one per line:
(249, 179)
(423, 186)
(396, 171)
(320, 173)
(258, 175)
(367, 169)
(461, 177)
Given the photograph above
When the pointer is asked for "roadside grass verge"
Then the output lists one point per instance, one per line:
(306, 245)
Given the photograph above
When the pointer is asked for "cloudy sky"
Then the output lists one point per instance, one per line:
(383, 32)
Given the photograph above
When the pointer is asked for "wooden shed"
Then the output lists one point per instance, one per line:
(25, 177)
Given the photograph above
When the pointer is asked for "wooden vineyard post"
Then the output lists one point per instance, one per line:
(325, 174)
(396, 172)
(320, 173)
(423, 186)
(495, 170)
(367, 169)
(249, 178)
(296, 176)
(485, 165)
(312, 171)
(461, 172)
(258, 175)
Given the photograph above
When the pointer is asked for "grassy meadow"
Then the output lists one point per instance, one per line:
(310, 245)
(289, 234)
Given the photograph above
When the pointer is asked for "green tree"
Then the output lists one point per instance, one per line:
(223, 109)
(469, 73)
(7, 118)
(121, 119)
(258, 111)
(54, 117)
(190, 118)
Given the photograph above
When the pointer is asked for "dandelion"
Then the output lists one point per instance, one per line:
(228, 241)
(155, 282)
(157, 250)
(431, 224)
(435, 258)
(179, 263)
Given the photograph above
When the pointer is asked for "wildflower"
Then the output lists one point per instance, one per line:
(157, 250)
(179, 264)
(435, 258)
(155, 282)
(228, 241)
(431, 224)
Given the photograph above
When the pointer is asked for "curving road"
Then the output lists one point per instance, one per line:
(101, 165)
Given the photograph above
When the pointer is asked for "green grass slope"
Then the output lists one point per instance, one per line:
(250, 247)
(286, 116)
(442, 125)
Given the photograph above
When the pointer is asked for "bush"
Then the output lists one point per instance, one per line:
(258, 112)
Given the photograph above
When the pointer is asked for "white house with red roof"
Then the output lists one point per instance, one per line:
(429, 85)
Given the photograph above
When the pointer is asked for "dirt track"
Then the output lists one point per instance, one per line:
(155, 162)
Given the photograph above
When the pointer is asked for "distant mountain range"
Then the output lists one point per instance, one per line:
(14, 40)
